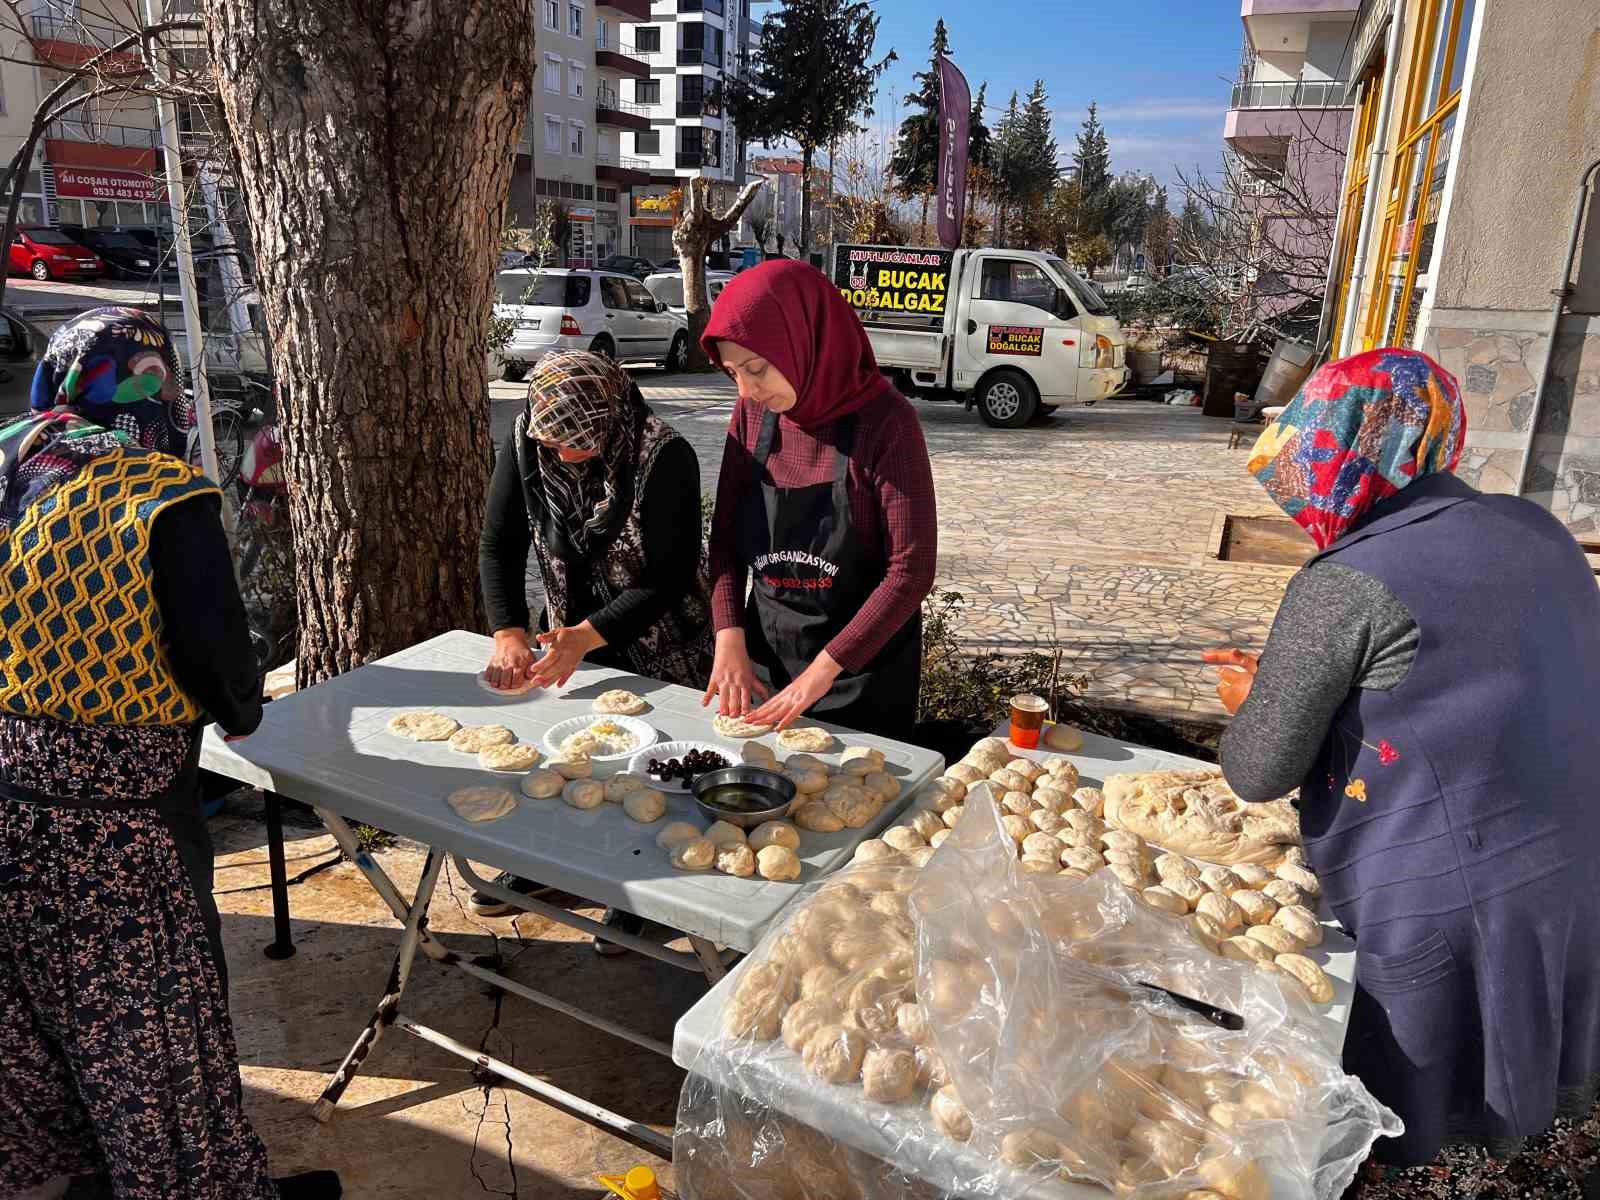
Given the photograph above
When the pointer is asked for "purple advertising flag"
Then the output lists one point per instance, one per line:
(955, 113)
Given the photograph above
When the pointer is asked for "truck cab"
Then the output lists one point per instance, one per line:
(1009, 332)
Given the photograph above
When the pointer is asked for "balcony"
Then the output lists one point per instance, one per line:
(610, 109)
(1292, 93)
(695, 160)
(613, 55)
(68, 42)
(621, 169)
(631, 10)
(67, 130)
(705, 106)
(699, 56)
(714, 7)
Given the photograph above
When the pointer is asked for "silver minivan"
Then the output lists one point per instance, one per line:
(601, 311)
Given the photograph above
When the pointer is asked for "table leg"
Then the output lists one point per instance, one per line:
(282, 944)
(710, 961)
(381, 883)
(389, 1003)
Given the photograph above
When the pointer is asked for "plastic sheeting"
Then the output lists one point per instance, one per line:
(987, 1026)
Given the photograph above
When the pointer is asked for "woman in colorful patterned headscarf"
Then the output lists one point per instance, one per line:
(606, 497)
(121, 635)
(1428, 687)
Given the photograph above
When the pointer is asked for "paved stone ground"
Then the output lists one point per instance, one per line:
(1092, 529)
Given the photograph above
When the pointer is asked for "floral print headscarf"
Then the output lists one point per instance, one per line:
(1360, 430)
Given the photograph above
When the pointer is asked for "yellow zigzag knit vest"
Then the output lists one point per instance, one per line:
(80, 633)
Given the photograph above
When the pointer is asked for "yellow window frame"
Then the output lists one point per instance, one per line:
(1356, 191)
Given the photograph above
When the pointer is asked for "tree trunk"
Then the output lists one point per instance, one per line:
(698, 226)
(375, 151)
(805, 199)
(922, 235)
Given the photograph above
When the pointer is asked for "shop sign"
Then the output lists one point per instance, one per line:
(1026, 341)
(894, 281)
(88, 183)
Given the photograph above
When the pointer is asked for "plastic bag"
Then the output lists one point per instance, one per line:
(973, 1030)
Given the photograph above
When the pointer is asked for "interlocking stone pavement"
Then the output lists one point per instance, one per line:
(1092, 529)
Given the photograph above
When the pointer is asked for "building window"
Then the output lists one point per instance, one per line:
(606, 195)
(647, 91)
(575, 73)
(647, 38)
(552, 135)
(647, 143)
(552, 14)
(575, 138)
(552, 74)
(575, 20)
(1421, 171)
(692, 153)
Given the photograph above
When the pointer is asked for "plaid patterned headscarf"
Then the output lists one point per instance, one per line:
(584, 402)
(1360, 430)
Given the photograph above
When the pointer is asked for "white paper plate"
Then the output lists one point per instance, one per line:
(642, 730)
(666, 750)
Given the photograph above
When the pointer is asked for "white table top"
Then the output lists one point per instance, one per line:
(885, 1131)
(329, 746)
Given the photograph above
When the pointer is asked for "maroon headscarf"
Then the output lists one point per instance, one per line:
(791, 315)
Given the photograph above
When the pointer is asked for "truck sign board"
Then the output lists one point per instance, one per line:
(894, 281)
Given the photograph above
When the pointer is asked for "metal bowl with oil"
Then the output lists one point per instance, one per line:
(744, 795)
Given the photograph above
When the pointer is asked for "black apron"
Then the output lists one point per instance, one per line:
(810, 575)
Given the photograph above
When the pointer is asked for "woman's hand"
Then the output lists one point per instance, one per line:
(511, 661)
(733, 676)
(564, 649)
(810, 686)
(1237, 671)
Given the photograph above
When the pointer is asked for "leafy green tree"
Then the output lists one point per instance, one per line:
(812, 75)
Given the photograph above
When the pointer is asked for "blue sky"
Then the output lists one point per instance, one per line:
(1160, 69)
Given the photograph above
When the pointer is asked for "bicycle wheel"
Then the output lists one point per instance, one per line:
(227, 432)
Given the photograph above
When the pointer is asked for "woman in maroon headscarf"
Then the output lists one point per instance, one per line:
(826, 499)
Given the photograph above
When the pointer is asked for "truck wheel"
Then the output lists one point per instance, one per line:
(1007, 400)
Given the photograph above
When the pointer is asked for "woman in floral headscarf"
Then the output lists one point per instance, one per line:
(121, 634)
(1429, 686)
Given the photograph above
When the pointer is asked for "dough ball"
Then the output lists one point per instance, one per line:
(1208, 931)
(583, 793)
(1017, 828)
(852, 804)
(758, 1002)
(875, 850)
(882, 784)
(894, 905)
(1052, 799)
(774, 833)
(1061, 768)
(1128, 877)
(926, 823)
(1038, 864)
(736, 858)
(723, 833)
(1221, 880)
(944, 792)
(1310, 976)
(805, 1017)
(1090, 800)
(965, 774)
(645, 806)
(1285, 893)
(1166, 901)
(817, 818)
(811, 739)
(861, 760)
(809, 781)
(992, 745)
(1042, 845)
(912, 1021)
(1279, 941)
(619, 787)
(1258, 908)
(678, 831)
(834, 1053)
(542, 784)
(758, 754)
(1170, 865)
(1019, 804)
(423, 726)
(820, 980)
(778, 863)
(1295, 856)
(1080, 858)
(903, 840)
(1243, 949)
(1046, 821)
(1029, 1148)
(950, 991)
(1253, 875)
(949, 1114)
(1007, 780)
(695, 854)
(1064, 738)
(1302, 878)
(1084, 823)
(572, 768)
(1129, 843)
(1188, 887)
(1301, 922)
(920, 856)
(469, 739)
(804, 762)
(1073, 874)
(952, 815)
(478, 804)
(1025, 767)
(1235, 1178)
(938, 838)
(620, 702)
(1169, 1145)
(1223, 911)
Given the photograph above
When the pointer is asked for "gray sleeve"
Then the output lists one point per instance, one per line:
(1337, 629)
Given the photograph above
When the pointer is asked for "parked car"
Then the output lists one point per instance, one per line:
(667, 287)
(21, 344)
(628, 264)
(601, 311)
(124, 255)
(47, 253)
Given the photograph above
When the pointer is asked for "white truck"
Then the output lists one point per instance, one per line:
(1009, 332)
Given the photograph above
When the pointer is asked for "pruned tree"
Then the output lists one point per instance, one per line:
(374, 150)
(915, 164)
(698, 226)
(811, 77)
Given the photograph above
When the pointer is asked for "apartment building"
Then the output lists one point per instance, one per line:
(1465, 230)
(692, 47)
(779, 202)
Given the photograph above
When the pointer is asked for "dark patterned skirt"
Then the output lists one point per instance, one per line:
(117, 1056)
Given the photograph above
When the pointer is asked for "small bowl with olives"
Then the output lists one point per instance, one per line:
(674, 766)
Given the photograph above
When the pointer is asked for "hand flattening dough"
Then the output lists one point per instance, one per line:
(542, 784)
(421, 726)
(482, 803)
(774, 833)
(508, 758)
(645, 806)
(469, 739)
(737, 727)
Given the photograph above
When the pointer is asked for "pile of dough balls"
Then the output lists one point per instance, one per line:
(770, 850)
(838, 986)
(850, 796)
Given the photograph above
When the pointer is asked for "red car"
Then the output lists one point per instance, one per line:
(47, 253)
